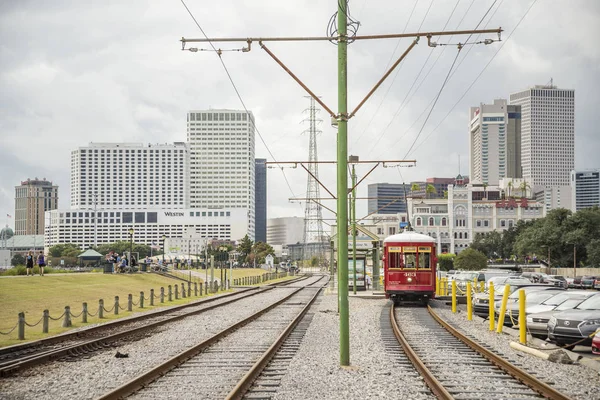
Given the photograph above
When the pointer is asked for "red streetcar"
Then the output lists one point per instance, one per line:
(409, 261)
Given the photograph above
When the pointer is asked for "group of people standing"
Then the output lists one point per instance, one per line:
(31, 259)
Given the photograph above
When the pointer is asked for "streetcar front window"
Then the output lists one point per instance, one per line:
(424, 260)
(410, 260)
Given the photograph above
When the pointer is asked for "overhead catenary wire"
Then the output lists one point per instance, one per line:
(405, 101)
(478, 76)
(397, 70)
(434, 100)
(238, 94)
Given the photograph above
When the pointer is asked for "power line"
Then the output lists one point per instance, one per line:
(479, 75)
(404, 101)
(434, 100)
(237, 93)
(397, 71)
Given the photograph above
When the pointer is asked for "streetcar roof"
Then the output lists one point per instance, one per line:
(408, 236)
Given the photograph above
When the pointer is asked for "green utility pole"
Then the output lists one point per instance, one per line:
(353, 225)
(331, 266)
(212, 270)
(342, 183)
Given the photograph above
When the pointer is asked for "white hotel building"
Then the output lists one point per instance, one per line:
(179, 193)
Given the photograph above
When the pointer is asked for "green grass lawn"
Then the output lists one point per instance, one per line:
(53, 292)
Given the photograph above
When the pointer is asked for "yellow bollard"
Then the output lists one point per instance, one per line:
(437, 286)
(482, 288)
(453, 296)
(469, 304)
(475, 284)
(522, 319)
(503, 309)
(491, 316)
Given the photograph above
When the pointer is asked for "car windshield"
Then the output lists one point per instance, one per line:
(593, 303)
(569, 304)
(557, 299)
(529, 291)
(562, 278)
(466, 276)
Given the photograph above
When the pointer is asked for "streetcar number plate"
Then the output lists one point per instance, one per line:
(407, 274)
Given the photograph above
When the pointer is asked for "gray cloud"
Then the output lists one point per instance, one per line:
(82, 72)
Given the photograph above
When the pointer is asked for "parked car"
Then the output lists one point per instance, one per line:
(537, 322)
(557, 280)
(532, 276)
(571, 327)
(533, 296)
(577, 282)
(597, 284)
(596, 343)
(480, 301)
(587, 282)
(570, 283)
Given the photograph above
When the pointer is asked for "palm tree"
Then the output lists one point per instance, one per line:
(510, 186)
(415, 187)
(523, 188)
(485, 185)
(430, 190)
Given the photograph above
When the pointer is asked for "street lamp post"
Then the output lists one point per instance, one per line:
(164, 239)
(131, 231)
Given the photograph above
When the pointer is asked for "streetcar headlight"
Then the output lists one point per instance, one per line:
(409, 280)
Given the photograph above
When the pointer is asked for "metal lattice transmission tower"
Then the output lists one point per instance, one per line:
(314, 240)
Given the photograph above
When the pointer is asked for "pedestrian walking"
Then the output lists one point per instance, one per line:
(41, 262)
(29, 263)
(368, 281)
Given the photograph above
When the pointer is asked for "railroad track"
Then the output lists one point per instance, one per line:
(96, 338)
(226, 364)
(468, 370)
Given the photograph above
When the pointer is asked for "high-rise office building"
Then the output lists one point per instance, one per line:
(32, 199)
(387, 198)
(260, 188)
(585, 189)
(222, 164)
(129, 176)
(547, 134)
(494, 142)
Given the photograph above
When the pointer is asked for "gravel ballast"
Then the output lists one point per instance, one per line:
(90, 378)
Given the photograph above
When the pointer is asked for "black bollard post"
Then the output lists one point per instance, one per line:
(100, 309)
(21, 326)
(176, 292)
(67, 320)
(189, 289)
(129, 302)
(162, 294)
(116, 305)
(141, 299)
(46, 321)
(196, 289)
(151, 297)
(84, 313)
(170, 294)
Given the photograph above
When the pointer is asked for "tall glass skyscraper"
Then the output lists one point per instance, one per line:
(260, 187)
(387, 198)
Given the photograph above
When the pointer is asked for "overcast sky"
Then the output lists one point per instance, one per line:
(72, 73)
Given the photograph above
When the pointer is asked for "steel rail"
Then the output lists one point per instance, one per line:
(12, 366)
(123, 321)
(146, 378)
(541, 387)
(436, 386)
(246, 382)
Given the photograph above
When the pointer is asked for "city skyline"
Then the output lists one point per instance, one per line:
(59, 94)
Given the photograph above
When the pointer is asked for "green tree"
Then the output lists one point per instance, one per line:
(65, 250)
(17, 259)
(523, 188)
(445, 194)
(489, 243)
(415, 187)
(261, 250)
(446, 261)
(430, 191)
(245, 248)
(593, 253)
(471, 260)
(314, 261)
